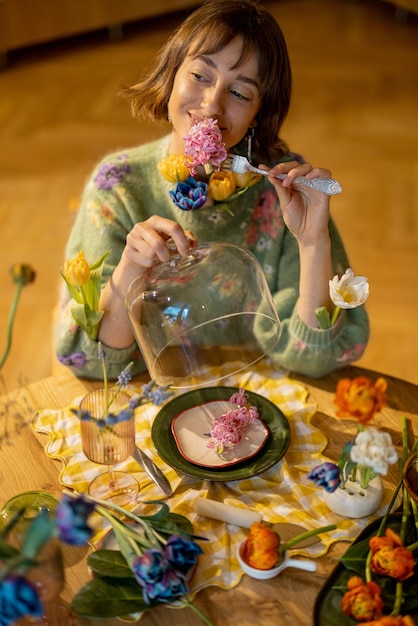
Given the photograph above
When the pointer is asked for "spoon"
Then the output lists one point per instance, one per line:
(152, 470)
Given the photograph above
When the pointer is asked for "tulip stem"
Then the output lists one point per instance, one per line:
(198, 612)
(309, 533)
(12, 313)
(334, 315)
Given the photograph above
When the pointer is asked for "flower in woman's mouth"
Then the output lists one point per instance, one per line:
(203, 145)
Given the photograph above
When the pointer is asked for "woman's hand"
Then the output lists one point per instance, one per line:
(146, 243)
(306, 214)
(305, 210)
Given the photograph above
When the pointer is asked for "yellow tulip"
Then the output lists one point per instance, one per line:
(221, 185)
(173, 169)
(247, 179)
(77, 270)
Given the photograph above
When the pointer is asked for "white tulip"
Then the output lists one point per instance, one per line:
(348, 291)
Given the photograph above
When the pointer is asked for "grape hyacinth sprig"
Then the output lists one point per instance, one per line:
(150, 393)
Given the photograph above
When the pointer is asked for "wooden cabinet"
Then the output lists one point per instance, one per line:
(406, 5)
(28, 22)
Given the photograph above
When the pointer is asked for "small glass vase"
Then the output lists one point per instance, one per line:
(47, 576)
(354, 501)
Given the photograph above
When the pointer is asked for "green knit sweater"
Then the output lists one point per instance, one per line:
(126, 188)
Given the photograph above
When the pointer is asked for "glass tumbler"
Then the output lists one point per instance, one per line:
(109, 445)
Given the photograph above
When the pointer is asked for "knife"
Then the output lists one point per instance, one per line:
(152, 470)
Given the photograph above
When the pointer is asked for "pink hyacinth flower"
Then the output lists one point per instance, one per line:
(203, 145)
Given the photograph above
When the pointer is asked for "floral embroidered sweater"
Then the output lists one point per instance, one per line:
(126, 188)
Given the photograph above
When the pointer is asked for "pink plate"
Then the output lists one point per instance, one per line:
(191, 431)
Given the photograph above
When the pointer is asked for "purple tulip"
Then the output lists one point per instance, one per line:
(18, 598)
(326, 475)
(149, 568)
(190, 195)
(71, 519)
(159, 580)
(172, 585)
(182, 553)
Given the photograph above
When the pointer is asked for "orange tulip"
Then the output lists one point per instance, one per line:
(390, 557)
(261, 547)
(362, 600)
(360, 398)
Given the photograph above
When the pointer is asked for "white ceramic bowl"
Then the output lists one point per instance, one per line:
(265, 574)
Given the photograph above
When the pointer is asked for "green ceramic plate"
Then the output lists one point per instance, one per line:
(272, 451)
(327, 610)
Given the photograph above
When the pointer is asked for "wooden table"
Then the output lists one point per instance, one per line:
(287, 599)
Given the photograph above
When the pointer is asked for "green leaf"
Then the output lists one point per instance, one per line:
(93, 286)
(72, 290)
(355, 557)
(88, 320)
(102, 598)
(39, 532)
(168, 523)
(7, 551)
(176, 524)
(109, 563)
(100, 262)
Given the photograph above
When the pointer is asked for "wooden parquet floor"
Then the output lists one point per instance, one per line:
(354, 110)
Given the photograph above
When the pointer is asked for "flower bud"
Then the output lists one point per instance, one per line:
(22, 273)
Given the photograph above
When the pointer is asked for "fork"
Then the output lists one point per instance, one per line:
(240, 165)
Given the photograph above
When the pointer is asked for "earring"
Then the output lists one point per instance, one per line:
(250, 135)
(168, 118)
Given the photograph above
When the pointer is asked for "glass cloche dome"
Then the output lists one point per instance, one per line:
(202, 317)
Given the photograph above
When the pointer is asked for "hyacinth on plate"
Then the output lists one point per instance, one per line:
(191, 431)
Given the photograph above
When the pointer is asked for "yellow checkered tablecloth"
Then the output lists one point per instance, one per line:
(282, 494)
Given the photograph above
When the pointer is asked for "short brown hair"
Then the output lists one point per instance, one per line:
(207, 30)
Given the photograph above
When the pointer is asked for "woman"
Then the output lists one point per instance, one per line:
(228, 62)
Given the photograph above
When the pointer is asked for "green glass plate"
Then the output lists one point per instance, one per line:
(327, 609)
(272, 451)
